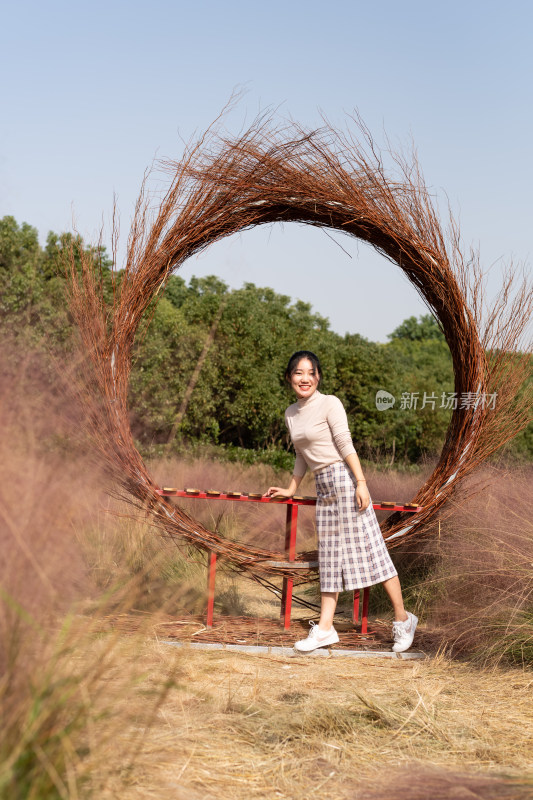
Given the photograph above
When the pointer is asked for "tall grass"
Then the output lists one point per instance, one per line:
(481, 591)
(66, 690)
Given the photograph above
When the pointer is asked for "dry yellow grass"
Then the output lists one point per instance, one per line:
(240, 726)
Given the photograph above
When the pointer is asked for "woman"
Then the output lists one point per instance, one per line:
(351, 550)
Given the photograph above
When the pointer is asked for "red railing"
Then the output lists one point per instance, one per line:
(291, 525)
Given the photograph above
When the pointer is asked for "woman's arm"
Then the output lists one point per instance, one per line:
(340, 431)
(277, 491)
(361, 490)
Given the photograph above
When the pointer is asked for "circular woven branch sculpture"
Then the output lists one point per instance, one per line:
(328, 180)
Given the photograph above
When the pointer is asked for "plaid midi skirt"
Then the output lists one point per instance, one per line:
(351, 550)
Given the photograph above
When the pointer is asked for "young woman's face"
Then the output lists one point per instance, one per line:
(304, 379)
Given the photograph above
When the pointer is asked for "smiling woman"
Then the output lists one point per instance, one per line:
(351, 550)
(331, 181)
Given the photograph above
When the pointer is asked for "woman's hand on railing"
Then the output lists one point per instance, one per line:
(277, 491)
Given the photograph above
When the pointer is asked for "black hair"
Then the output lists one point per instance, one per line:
(295, 359)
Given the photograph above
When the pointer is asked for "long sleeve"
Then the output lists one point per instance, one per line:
(338, 423)
(300, 465)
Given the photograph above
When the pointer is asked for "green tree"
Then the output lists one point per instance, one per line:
(164, 360)
(20, 260)
(423, 374)
(238, 396)
(416, 330)
(32, 280)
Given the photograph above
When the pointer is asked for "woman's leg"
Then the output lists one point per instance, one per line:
(394, 590)
(328, 604)
(324, 633)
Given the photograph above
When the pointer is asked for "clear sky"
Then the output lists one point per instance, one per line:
(93, 91)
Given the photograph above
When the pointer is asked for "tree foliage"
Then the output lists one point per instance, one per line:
(418, 329)
(243, 339)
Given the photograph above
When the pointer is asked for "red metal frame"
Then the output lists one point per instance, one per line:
(356, 595)
(291, 526)
(242, 497)
(211, 575)
(364, 615)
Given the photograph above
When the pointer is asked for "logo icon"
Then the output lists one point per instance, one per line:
(384, 400)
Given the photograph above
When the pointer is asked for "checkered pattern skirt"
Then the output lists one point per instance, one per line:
(351, 550)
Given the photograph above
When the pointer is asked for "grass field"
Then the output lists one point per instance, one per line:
(244, 726)
(163, 722)
(91, 712)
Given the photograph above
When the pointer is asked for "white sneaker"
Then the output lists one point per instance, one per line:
(403, 633)
(317, 638)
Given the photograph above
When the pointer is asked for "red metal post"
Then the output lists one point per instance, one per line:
(364, 618)
(356, 595)
(211, 575)
(290, 549)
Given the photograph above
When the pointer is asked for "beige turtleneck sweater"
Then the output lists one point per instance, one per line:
(319, 431)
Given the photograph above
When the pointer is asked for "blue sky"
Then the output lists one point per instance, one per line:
(92, 92)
